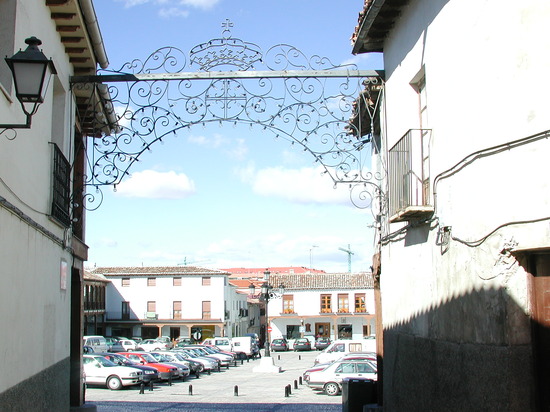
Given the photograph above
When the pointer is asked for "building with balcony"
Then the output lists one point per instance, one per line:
(179, 301)
(42, 174)
(334, 305)
(461, 143)
(94, 303)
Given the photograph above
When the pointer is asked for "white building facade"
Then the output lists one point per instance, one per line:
(464, 235)
(180, 301)
(333, 305)
(42, 247)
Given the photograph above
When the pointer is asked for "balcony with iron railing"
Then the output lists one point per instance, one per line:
(409, 177)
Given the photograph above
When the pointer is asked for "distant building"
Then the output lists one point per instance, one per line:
(334, 305)
(179, 301)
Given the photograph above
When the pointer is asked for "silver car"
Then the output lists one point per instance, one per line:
(330, 378)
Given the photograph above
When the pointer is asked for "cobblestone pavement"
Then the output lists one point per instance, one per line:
(257, 391)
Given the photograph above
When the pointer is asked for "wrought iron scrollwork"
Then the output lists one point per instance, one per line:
(311, 102)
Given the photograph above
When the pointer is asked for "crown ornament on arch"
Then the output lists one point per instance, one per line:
(225, 53)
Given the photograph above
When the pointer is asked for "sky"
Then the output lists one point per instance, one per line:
(223, 196)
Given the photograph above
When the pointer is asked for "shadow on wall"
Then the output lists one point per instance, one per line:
(470, 353)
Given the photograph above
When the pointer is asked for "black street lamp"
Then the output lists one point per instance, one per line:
(267, 292)
(31, 71)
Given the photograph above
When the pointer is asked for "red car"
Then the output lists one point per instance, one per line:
(165, 371)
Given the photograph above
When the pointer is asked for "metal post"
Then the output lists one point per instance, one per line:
(267, 334)
(190, 389)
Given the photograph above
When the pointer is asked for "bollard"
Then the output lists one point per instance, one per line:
(295, 384)
(141, 388)
(208, 371)
(170, 380)
(197, 375)
(278, 357)
(289, 389)
(286, 391)
(236, 391)
(219, 367)
(190, 389)
(227, 366)
(235, 363)
(150, 386)
(247, 359)
(300, 380)
(242, 361)
(299, 357)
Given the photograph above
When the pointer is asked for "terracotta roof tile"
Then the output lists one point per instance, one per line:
(157, 271)
(323, 281)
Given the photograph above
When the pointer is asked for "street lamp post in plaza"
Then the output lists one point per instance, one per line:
(267, 293)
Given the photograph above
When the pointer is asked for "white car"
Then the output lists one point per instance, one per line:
(101, 371)
(149, 345)
(330, 378)
(128, 344)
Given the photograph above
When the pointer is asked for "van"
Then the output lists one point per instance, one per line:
(246, 344)
(342, 347)
(97, 343)
(222, 343)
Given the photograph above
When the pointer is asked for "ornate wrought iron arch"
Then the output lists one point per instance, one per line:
(330, 111)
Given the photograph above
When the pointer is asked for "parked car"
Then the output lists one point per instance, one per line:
(370, 356)
(166, 340)
(183, 368)
(322, 343)
(185, 341)
(224, 358)
(200, 351)
(98, 343)
(149, 373)
(166, 372)
(279, 345)
(174, 356)
(341, 347)
(246, 344)
(329, 379)
(128, 344)
(222, 343)
(111, 341)
(99, 370)
(208, 364)
(149, 345)
(302, 344)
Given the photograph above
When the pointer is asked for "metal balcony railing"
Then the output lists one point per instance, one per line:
(409, 176)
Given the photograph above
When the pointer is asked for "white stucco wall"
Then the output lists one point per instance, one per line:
(35, 309)
(486, 85)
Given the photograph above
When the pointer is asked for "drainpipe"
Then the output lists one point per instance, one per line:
(92, 26)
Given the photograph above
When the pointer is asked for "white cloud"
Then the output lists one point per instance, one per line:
(157, 185)
(199, 4)
(304, 185)
(234, 148)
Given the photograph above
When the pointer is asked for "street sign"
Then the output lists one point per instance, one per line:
(269, 329)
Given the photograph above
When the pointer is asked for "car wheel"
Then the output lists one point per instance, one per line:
(331, 389)
(114, 383)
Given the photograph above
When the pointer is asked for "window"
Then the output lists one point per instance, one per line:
(125, 310)
(177, 281)
(125, 281)
(176, 309)
(326, 306)
(151, 306)
(206, 281)
(288, 304)
(206, 314)
(343, 303)
(61, 190)
(345, 368)
(151, 281)
(360, 303)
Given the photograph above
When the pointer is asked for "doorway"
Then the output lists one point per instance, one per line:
(538, 266)
(322, 330)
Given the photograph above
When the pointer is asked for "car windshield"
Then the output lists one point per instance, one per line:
(148, 357)
(104, 361)
(209, 350)
(121, 359)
